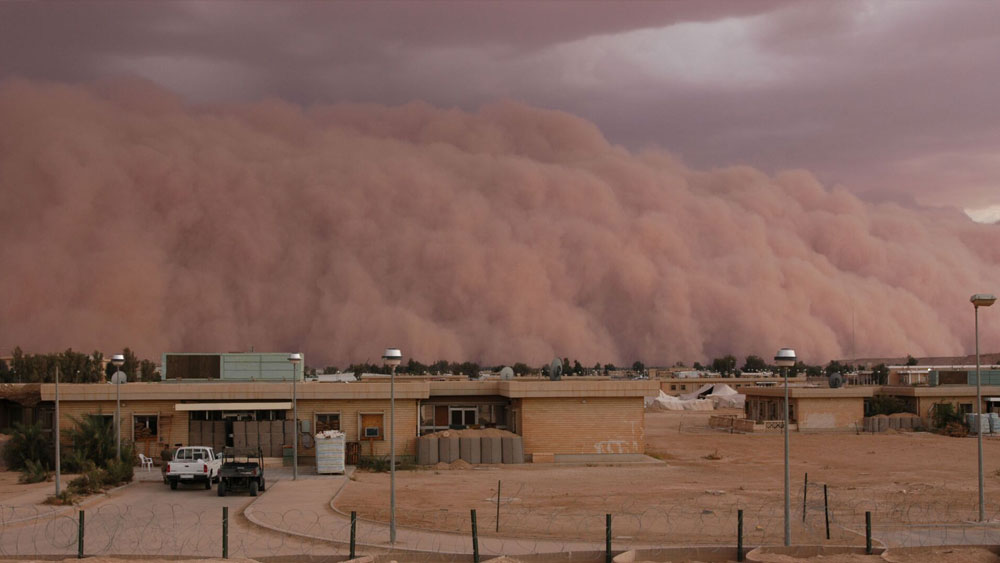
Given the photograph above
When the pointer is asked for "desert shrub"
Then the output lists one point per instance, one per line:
(881, 404)
(74, 461)
(955, 429)
(376, 463)
(945, 414)
(93, 438)
(34, 472)
(27, 443)
(90, 482)
(65, 497)
(118, 472)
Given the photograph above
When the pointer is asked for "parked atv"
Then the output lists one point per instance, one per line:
(242, 470)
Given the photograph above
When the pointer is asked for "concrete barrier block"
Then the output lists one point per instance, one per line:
(492, 450)
(448, 449)
(427, 450)
(470, 450)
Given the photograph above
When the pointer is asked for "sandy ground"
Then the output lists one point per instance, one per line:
(903, 478)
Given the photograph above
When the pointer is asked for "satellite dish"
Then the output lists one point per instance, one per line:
(119, 377)
(555, 370)
(506, 373)
(836, 380)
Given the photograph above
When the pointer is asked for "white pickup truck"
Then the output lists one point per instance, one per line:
(194, 464)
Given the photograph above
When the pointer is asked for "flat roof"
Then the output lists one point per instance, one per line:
(811, 392)
(938, 390)
(240, 391)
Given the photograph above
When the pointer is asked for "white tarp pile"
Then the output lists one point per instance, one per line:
(665, 402)
(720, 395)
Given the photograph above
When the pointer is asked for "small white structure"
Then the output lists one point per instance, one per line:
(330, 452)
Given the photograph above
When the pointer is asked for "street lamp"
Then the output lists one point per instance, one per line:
(56, 432)
(980, 300)
(116, 379)
(785, 358)
(392, 357)
(295, 359)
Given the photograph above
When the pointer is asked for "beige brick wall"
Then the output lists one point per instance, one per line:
(926, 404)
(176, 431)
(583, 426)
(828, 413)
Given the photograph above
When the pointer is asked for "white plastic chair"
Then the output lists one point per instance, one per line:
(146, 462)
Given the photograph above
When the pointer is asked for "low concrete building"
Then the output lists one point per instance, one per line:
(559, 417)
(809, 408)
(682, 385)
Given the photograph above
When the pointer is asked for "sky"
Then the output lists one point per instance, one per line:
(875, 119)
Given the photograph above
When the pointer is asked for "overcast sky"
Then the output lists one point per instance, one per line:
(894, 100)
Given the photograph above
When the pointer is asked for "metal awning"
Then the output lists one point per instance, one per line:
(261, 406)
(992, 399)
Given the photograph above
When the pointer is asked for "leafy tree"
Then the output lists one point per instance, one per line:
(147, 371)
(577, 368)
(638, 367)
(566, 366)
(944, 414)
(880, 374)
(131, 365)
(27, 443)
(754, 364)
(93, 438)
(608, 368)
(698, 366)
(6, 376)
(834, 367)
(597, 367)
(330, 369)
(725, 365)
(545, 371)
(911, 361)
(439, 367)
(520, 368)
(881, 404)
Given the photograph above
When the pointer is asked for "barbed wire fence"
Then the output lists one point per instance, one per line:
(523, 520)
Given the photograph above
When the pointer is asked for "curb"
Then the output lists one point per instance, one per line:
(69, 510)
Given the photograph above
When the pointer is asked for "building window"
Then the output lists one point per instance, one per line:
(327, 421)
(461, 416)
(966, 408)
(673, 387)
(371, 427)
(144, 427)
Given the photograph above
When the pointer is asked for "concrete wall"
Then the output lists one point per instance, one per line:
(829, 413)
(583, 426)
(406, 422)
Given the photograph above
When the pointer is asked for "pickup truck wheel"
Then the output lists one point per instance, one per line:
(208, 483)
(222, 488)
(262, 484)
(173, 485)
(253, 488)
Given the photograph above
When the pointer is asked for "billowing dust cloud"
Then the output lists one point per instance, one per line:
(129, 218)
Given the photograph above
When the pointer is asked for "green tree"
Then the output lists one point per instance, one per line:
(754, 364)
(577, 368)
(880, 374)
(638, 367)
(521, 368)
(6, 376)
(147, 371)
(881, 404)
(834, 367)
(608, 368)
(27, 443)
(911, 361)
(131, 365)
(725, 365)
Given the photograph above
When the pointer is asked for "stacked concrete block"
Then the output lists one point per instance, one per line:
(512, 449)
(994, 419)
(427, 450)
(491, 449)
(469, 449)
(977, 424)
(448, 449)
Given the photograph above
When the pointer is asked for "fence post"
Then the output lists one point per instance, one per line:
(868, 532)
(475, 538)
(225, 532)
(354, 528)
(498, 506)
(607, 538)
(79, 536)
(805, 490)
(826, 511)
(739, 535)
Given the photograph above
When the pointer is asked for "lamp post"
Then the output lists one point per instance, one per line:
(392, 357)
(56, 432)
(295, 359)
(116, 379)
(785, 358)
(980, 300)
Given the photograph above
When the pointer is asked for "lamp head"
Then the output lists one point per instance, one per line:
(785, 358)
(983, 299)
(118, 360)
(392, 357)
(295, 358)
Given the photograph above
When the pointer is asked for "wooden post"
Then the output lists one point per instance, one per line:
(354, 528)
(79, 536)
(826, 511)
(868, 532)
(739, 535)
(805, 490)
(225, 532)
(607, 538)
(498, 506)
(475, 538)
